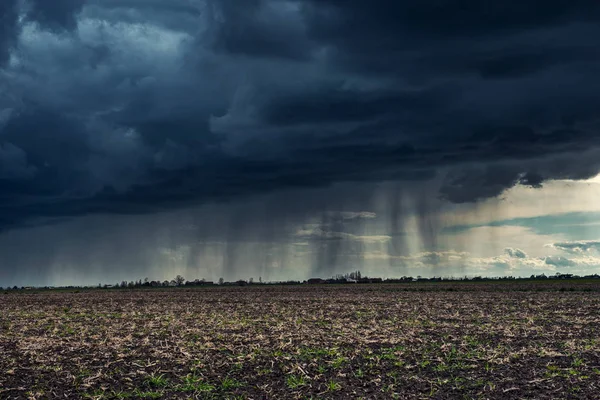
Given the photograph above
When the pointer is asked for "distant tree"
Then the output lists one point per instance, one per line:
(123, 284)
(221, 281)
(165, 283)
(251, 281)
(260, 279)
(179, 280)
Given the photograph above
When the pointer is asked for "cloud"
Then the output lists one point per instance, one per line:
(154, 105)
(435, 258)
(58, 14)
(259, 29)
(8, 28)
(585, 264)
(444, 262)
(515, 253)
(503, 60)
(352, 215)
(55, 15)
(578, 247)
(320, 234)
(13, 164)
(454, 262)
(560, 262)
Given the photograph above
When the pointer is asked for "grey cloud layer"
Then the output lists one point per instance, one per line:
(137, 106)
(578, 247)
(515, 253)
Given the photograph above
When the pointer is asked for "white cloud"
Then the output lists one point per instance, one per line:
(511, 263)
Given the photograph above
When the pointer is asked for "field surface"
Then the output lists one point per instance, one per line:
(439, 341)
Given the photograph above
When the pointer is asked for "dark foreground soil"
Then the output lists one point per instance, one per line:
(488, 341)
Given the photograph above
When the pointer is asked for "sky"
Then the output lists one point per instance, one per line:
(288, 139)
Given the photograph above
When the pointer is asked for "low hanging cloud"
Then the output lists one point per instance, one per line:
(515, 253)
(578, 247)
(352, 215)
(448, 262)
(561, 262)
(321, 234)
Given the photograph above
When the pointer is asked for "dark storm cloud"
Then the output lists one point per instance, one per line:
(56, 14)
(8, 27)
(508, 84)
(444, 18)
(257, 28)
(178, 15)
(139, 106)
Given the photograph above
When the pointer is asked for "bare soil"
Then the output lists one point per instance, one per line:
(451, 341)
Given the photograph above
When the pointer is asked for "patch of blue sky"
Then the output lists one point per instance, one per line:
(574, 226)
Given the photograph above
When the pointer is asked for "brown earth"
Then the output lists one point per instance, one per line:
(450, 341)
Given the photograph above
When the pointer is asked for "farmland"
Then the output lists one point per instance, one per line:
(518, 340)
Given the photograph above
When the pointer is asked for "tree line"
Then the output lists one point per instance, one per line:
(352, 277)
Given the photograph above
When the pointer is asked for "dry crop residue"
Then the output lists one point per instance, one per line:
(447, 341)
